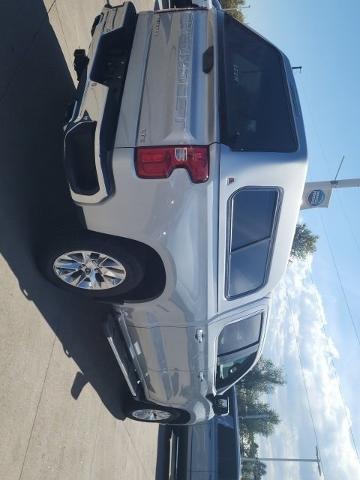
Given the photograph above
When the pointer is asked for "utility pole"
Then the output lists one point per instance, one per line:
(348, 183)
(276, 459)
(240, 7)
(260, 415)
(249, 416)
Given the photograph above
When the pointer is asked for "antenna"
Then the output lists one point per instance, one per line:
(338, 170)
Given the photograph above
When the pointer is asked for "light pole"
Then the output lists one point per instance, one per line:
(254, 416)
(276, 459)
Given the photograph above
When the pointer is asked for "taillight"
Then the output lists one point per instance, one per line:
(159, 162)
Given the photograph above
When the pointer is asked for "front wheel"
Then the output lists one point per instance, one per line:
(91, 265)
(151, 413)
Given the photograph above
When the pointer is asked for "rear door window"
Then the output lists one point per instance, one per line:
(255, 107)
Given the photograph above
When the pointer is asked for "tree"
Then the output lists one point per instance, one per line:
(256, 416)
(263, 377)
(236, 5)
(252, 470)
(304, 242)
(259, 470)
(259, 418)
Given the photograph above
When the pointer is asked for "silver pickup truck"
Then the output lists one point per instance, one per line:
(185, 150)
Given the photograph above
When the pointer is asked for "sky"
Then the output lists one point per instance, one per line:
(315, 317)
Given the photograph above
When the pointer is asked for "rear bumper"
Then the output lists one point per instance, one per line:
(90, 133)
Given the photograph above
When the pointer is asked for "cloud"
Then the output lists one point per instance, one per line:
(298, 321)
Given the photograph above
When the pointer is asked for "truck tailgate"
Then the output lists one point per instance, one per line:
(178, 96)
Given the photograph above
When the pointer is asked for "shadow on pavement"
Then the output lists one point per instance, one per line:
(35, 88)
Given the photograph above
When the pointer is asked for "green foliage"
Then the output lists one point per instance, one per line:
(260, 419)
(263, 377)
(256, 416)
(304, 242)
(236, 5)
(259, 470)
(252, 470)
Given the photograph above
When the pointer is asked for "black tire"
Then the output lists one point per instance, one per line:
(97, 243)
(80, 62)
(175, 416)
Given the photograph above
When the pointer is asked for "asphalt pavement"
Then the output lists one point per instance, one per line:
(61, 392)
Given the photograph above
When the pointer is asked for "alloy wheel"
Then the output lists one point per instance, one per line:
(151, 415)
(89, 270)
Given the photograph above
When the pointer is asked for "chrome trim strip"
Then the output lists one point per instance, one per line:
(121, 364)
(121, 319)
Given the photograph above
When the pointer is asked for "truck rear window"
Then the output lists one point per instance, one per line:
(255, 107)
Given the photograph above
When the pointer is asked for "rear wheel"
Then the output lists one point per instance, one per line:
(91, 265)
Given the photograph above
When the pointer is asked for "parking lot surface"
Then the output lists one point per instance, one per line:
(61, 391)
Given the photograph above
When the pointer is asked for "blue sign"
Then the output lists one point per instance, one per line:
(316, 197)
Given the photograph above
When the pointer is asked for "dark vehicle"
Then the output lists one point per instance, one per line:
(205, 451)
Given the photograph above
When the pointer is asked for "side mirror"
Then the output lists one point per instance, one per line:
(221, 405)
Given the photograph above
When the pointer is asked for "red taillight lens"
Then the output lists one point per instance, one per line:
(159, 162)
